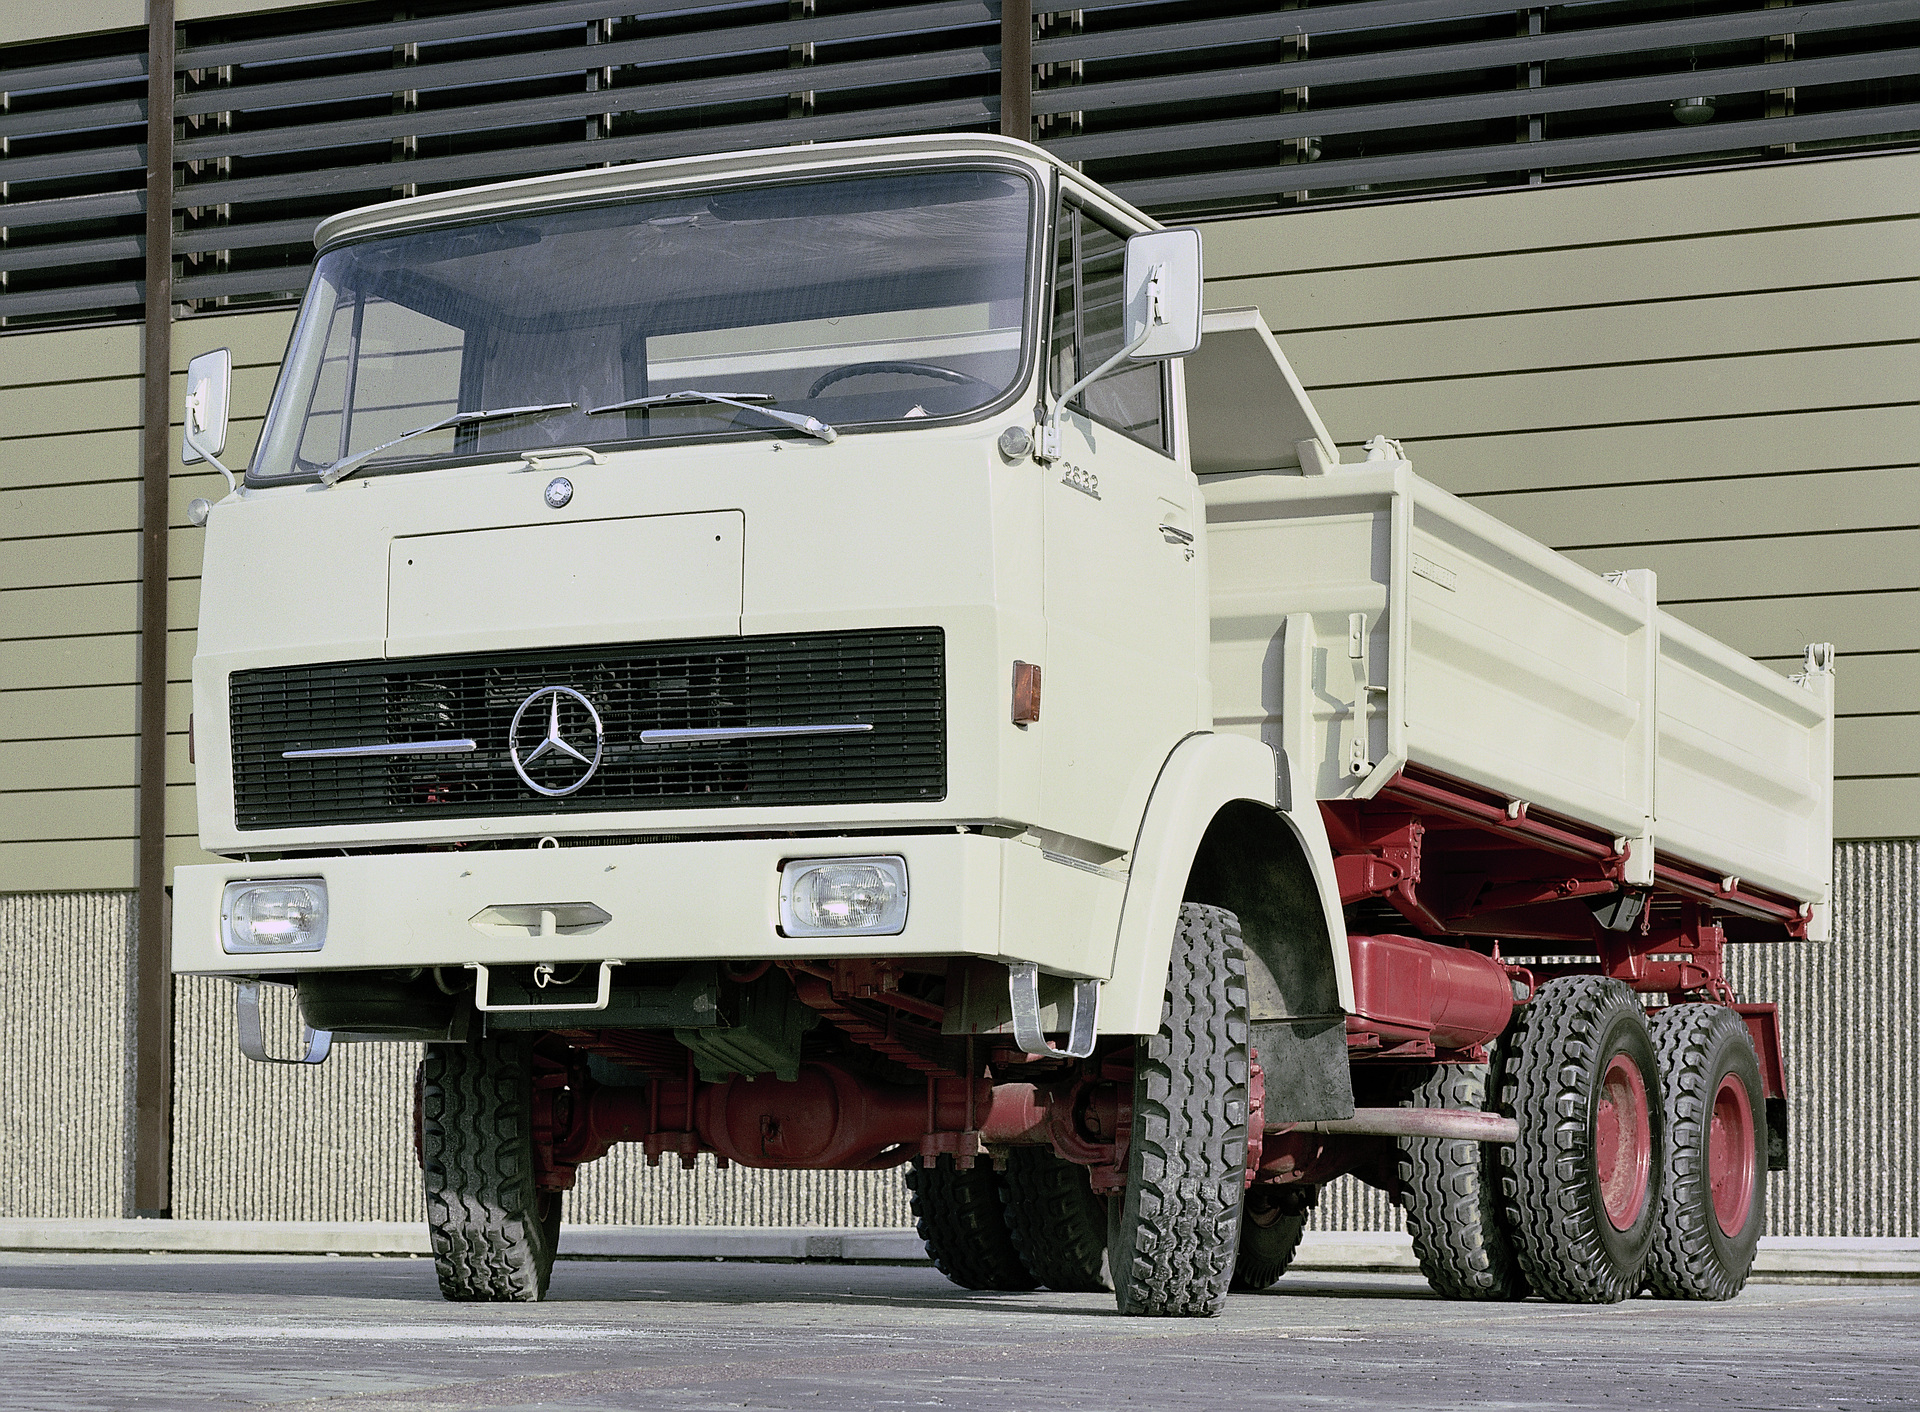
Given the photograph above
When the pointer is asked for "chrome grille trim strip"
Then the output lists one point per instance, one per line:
(696, 737)
(346, 752)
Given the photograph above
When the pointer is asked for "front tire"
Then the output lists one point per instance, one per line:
(1058, 1224)
(1272, 1223)
(1174, 1237)
(1452, 1196)
(494, 1231)
(1586, 1171)
(961, 1218)
(1713, 1206)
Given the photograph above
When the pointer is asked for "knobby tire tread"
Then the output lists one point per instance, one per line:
(1058, 1224)
(1451, 1192)
(1696, 1046)
(493, 1230)
(961, 1218)
(1555, 1062)
(1267, 1246)
(1177, 1232)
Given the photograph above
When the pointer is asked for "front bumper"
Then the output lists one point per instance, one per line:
(710, 899)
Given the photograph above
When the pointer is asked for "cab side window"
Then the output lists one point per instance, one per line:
(1088, 317)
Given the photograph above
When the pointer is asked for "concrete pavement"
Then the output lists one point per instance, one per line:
(1842, 1259)
(169, 1333)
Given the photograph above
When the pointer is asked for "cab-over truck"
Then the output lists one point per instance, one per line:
(828, 658)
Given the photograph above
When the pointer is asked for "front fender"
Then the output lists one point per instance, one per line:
(1203, 775)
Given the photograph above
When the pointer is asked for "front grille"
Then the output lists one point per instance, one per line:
(893, 680)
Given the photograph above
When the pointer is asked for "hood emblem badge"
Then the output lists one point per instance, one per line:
(559, 492)
(554, 741)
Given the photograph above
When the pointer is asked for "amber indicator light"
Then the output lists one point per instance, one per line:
(1026, 693)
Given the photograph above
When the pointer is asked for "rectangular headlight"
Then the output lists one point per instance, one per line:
(843, 896)
(280, 915)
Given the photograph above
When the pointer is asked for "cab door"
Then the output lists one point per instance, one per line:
(1124, 579)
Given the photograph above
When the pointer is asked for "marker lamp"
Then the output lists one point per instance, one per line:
(282, 915)
(843, 897)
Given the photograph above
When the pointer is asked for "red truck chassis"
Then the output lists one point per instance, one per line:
(1436, 878)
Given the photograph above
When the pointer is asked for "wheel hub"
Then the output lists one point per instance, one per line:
(1623, 1142)
(1731, 1152)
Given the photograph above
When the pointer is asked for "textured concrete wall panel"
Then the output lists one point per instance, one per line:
(621, 1189)
(1850, 1016)
(66, 1082)
(254, 1142)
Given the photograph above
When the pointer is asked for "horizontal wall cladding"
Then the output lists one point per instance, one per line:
(1714, 376)
(70, 592)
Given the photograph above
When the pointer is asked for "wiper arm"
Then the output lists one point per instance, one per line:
(745, 401)
(347, 465)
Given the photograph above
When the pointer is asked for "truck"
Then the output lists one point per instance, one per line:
(831, 658)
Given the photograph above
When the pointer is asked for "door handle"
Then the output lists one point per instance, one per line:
(1173, 534)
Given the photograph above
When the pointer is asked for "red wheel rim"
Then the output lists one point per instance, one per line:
(1731, 1153)
(1623, 1142)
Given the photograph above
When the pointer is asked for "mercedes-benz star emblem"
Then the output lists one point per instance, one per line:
(559, 492)
(554, 742)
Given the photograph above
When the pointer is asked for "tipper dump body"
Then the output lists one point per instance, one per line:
(1369, 624)
(825, 659)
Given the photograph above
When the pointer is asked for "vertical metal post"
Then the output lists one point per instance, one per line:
(1532, 75)
(1016, 69)
(153, 979)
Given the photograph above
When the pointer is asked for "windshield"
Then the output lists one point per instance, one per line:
(853, 301)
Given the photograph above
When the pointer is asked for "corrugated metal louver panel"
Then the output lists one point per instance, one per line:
(1187, 109)
(1259, 106)
(290, 116)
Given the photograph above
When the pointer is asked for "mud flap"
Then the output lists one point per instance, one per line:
(1305, 1062)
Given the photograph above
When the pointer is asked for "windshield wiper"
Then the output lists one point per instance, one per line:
(347, 465)
(745, 401)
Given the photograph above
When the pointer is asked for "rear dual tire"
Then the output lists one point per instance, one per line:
(1451, 1191)
(1713, 1203)
(1583, 1183)
(1271, 1225)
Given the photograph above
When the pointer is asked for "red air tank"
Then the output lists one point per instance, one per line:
(1405, 989)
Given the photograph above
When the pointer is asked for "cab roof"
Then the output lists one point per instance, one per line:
(596, 183)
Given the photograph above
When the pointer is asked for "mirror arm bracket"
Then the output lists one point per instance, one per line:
(186, 435)
(1047, 444)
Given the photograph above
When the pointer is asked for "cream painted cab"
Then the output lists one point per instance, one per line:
(495, 535)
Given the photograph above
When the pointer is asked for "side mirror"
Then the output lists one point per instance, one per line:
(1163, 294)
(209, 384)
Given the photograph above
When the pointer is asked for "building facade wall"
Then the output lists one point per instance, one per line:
(1710, 375)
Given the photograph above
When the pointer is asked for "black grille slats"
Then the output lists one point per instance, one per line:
(891, 679)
